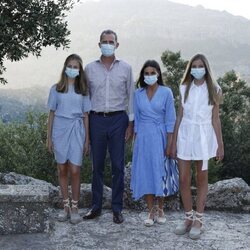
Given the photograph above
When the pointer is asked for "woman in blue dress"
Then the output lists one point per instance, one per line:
(68, 131)
(154, 124)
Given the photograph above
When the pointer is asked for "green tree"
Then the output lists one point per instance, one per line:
(175, 67)
(235, 119)
(27, 26)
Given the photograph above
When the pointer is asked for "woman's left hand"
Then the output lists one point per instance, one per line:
(167, 152)
(220, 153)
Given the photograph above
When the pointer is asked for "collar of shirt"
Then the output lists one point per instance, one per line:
(193, 85)
(115, 60)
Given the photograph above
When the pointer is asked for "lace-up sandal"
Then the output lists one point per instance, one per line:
(195, 232)
(160, 219)
(75, 218)
(65, 213)
(184, 227)
(151, 218)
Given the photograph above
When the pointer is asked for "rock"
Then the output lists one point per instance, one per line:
(26, 203)
(230, 195)
(24, 209)
(86, 196)
(223, 230)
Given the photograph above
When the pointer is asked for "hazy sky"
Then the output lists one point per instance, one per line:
(235, 7)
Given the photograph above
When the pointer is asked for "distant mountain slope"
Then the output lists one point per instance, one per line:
(15, 103)
(145, 29)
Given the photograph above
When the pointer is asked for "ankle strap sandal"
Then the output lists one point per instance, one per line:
(74, 216)
(74, 204)
(65, 213)
(66, 203)
(199, 217)
(185, 226)
(189, 215)
(195, 232)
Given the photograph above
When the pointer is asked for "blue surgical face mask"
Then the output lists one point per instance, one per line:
(198, 73)
(72, 73)
(107, 49)
(150, 80)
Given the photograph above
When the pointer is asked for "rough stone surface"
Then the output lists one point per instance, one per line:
(24, 204)
(23, 209)
(231, 195)
(223, 230)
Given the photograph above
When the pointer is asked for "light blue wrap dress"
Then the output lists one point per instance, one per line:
(68, 133)
(153, 120)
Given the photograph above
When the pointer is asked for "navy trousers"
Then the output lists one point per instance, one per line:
(108, 133)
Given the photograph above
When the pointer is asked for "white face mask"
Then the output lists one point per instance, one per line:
(198, 73)
(150, 80)
(107, 49)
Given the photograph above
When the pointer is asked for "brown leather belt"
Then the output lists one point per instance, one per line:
(104, 114)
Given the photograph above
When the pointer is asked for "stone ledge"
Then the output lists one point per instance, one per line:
(24, 193)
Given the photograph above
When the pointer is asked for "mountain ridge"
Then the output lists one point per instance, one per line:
(145, 30)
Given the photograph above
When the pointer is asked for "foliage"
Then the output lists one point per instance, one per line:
(235, 119)
(23, 148)
(27, 26)
(175, 68)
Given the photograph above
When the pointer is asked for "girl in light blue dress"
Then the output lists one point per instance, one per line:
(154, 124)
(68, 131)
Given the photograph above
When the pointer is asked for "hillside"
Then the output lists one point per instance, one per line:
(145, 29)
(15, 103)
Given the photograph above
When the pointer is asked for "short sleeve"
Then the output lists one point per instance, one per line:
(52, 100)
(86, 104)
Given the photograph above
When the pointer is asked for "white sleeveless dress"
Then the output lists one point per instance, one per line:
(196, 138)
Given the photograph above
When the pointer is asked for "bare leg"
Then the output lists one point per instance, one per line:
(63, 180)
(161, 219)
(160, 201)
(202, 188)
(185, 186)
(75, 182)
(150, 204)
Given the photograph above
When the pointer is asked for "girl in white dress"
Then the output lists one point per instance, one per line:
(197, 136)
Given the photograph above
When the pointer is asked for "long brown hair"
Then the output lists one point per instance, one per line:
(80, 81)
(213, 97)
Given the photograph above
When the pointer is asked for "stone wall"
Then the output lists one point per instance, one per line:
(26, 203)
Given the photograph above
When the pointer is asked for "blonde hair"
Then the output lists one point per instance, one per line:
(213, 96)
(80, 81)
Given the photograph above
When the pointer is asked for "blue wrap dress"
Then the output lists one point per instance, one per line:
(68, 133)
(153, 120)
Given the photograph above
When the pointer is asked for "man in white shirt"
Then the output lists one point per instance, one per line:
(111, 87)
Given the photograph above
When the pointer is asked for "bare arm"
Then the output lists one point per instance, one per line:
(173, 150)
(49, 131)
(86, 127)
(217, 129)
(169, 143)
